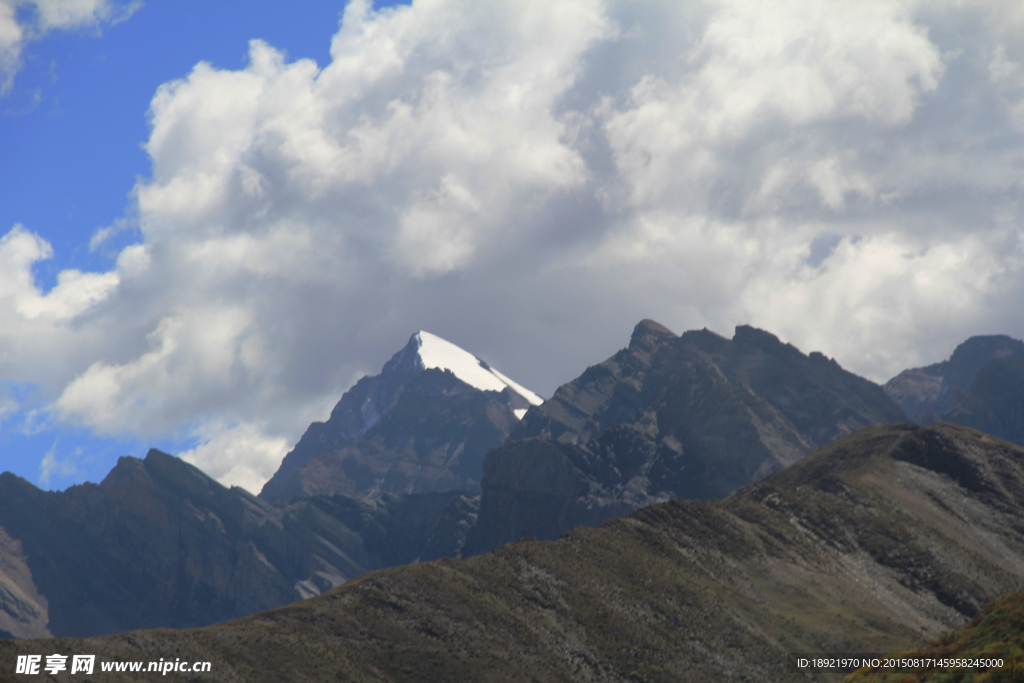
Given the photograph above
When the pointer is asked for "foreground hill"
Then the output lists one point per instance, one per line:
(995, 634)
(159, 544)
(692, 416)
(885, 538)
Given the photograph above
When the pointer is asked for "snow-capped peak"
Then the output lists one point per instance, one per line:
(435, 352)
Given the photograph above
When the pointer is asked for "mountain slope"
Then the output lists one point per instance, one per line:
(891, 535)
(928, 392)
(995, 634)
(995, 402)
(695, 416)
(158, 543)
(23, 611)
(423, 424)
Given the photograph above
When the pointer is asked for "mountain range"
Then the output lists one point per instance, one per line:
(886, 538)
(693, 416)
(159, 544)
(440, 455)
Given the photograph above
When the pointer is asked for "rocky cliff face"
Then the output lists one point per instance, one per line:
(23, 611)
(432, 438)
(995, 401)
(159, 544)
(695, 416)
(876, 543)
(927, 393)
(981, 385)
(423, 424)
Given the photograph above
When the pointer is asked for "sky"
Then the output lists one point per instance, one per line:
(215, 217)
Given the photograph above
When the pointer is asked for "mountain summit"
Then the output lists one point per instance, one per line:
(694, 415)
(423, 424)
(927, 393)
(981, 385)
(434, 352)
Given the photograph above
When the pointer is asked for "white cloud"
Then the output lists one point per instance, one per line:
(24, 20)
(529, 180)
(767, 73)
(11, 36)
(51, 465)
(239, 455)
(870, 291)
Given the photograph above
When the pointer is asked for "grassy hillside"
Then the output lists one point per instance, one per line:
(997, 633)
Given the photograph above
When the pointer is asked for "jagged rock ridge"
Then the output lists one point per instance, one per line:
(423, 424)
(159, 544)
(694, 416)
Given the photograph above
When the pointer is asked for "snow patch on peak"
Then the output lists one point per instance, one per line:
(435, 352)
(533, 398)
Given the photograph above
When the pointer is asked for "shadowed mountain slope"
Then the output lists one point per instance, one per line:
(885, 538)
(929, 393)
(995, 402)
(816, 396)
(158, 543)
(695, 416)
(23, 611)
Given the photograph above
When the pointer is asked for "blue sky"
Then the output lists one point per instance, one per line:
(72, 128)
(75, 120)
(215, 217)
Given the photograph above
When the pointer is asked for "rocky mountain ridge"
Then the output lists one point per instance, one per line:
(884, 539)
(159, 544)
(693, 416)
(980, 385)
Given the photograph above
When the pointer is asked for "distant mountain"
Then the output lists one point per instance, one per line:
(423, 424)
(694, 416)
(876, 543)
(981, 385)
(160, 544)
(995, 401)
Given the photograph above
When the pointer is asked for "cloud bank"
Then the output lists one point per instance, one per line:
(528, 180)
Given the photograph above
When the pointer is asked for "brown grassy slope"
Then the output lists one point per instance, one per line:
(891, 535)
(996, 634)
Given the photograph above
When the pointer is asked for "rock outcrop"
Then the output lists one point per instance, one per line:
(695, 416)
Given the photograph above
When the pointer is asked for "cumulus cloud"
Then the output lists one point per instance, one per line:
(24, 20)
(239, 454)
(528, 181)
